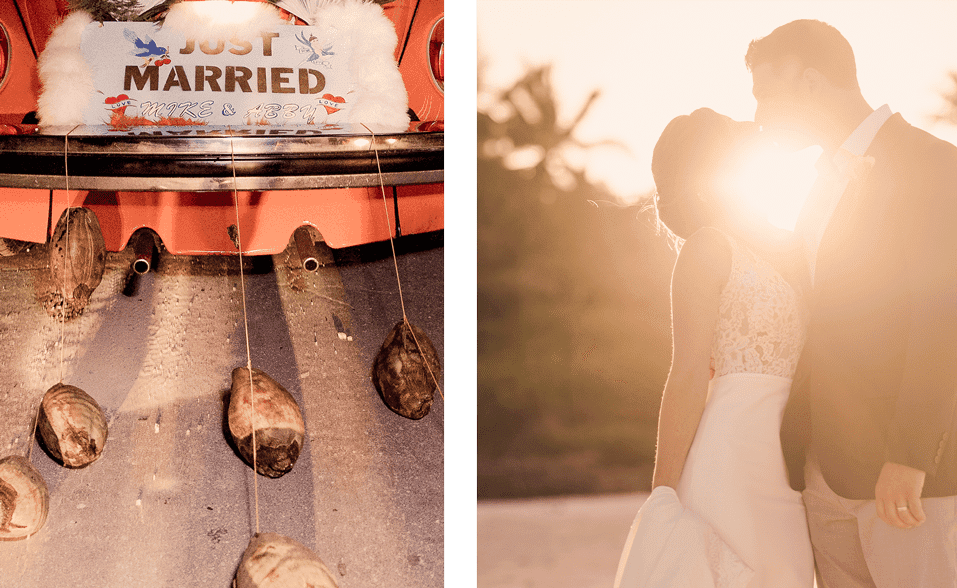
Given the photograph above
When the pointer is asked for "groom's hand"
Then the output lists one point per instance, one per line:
(899, 486)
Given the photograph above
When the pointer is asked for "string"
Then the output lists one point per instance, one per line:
(66, 244)
(395, 261)
(249, 359)
(33, 434)
(66, 241)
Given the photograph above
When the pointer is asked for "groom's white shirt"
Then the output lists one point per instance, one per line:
(822, 202)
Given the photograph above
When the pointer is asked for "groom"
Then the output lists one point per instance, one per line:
(869, 433)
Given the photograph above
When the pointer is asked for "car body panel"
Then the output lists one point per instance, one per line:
(413, 56)
(196, 223)
(24, 214)
(21, 85)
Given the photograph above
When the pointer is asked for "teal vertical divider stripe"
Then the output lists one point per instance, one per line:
(460, 325)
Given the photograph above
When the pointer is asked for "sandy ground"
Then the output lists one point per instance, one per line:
(563, 542)
(566, 542)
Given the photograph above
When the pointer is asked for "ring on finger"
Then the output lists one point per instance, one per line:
(902, 508)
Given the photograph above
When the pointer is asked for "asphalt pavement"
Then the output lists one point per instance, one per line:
(170, 502)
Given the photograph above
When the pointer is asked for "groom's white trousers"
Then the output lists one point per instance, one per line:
(854, 548)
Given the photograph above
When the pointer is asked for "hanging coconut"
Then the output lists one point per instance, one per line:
(280, 430)
(405, 374)
(276, 561)
(24, 499)
(72, 426)
(77, 258)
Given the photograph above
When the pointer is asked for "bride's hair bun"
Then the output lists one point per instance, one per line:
(691, 153)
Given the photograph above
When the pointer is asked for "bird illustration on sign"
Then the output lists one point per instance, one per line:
(148, 49)
(318, 52)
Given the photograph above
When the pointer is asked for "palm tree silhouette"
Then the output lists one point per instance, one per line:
(573, 315)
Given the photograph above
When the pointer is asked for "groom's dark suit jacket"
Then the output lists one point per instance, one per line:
(877, 380)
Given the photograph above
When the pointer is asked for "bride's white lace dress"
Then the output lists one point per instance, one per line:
(734, 476)
(733, 521)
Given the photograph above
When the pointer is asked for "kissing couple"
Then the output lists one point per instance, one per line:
(808, 421)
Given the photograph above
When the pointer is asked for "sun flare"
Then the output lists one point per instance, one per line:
(775, 183)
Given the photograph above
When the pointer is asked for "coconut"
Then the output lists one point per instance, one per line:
(405, 373)
(280, 431)
(72, 426)
(24, 499)
(276, 561)
(77, 257)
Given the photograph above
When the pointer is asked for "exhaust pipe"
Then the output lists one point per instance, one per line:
(143, 247)
(308, 254)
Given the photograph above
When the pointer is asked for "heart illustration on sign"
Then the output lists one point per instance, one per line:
(115, 99)
(122, 100)
(329, 98)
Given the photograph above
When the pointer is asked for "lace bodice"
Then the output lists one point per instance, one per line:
(761, 321)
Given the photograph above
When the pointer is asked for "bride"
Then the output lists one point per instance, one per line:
(738, 326)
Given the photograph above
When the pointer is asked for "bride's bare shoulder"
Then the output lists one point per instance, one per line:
(704, 259)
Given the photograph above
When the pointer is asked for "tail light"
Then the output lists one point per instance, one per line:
(4, 54)
(437, 54)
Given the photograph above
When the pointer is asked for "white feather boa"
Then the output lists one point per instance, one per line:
(382, 103)
(66, 78)
(197, 20)
(361, 28)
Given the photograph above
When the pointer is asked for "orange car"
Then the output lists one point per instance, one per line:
(179, 181)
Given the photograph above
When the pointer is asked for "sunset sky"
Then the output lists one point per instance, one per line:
(654, 60)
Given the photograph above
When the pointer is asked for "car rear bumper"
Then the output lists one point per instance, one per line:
(201, 159)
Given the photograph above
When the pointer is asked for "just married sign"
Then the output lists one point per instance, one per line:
(146, 75)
